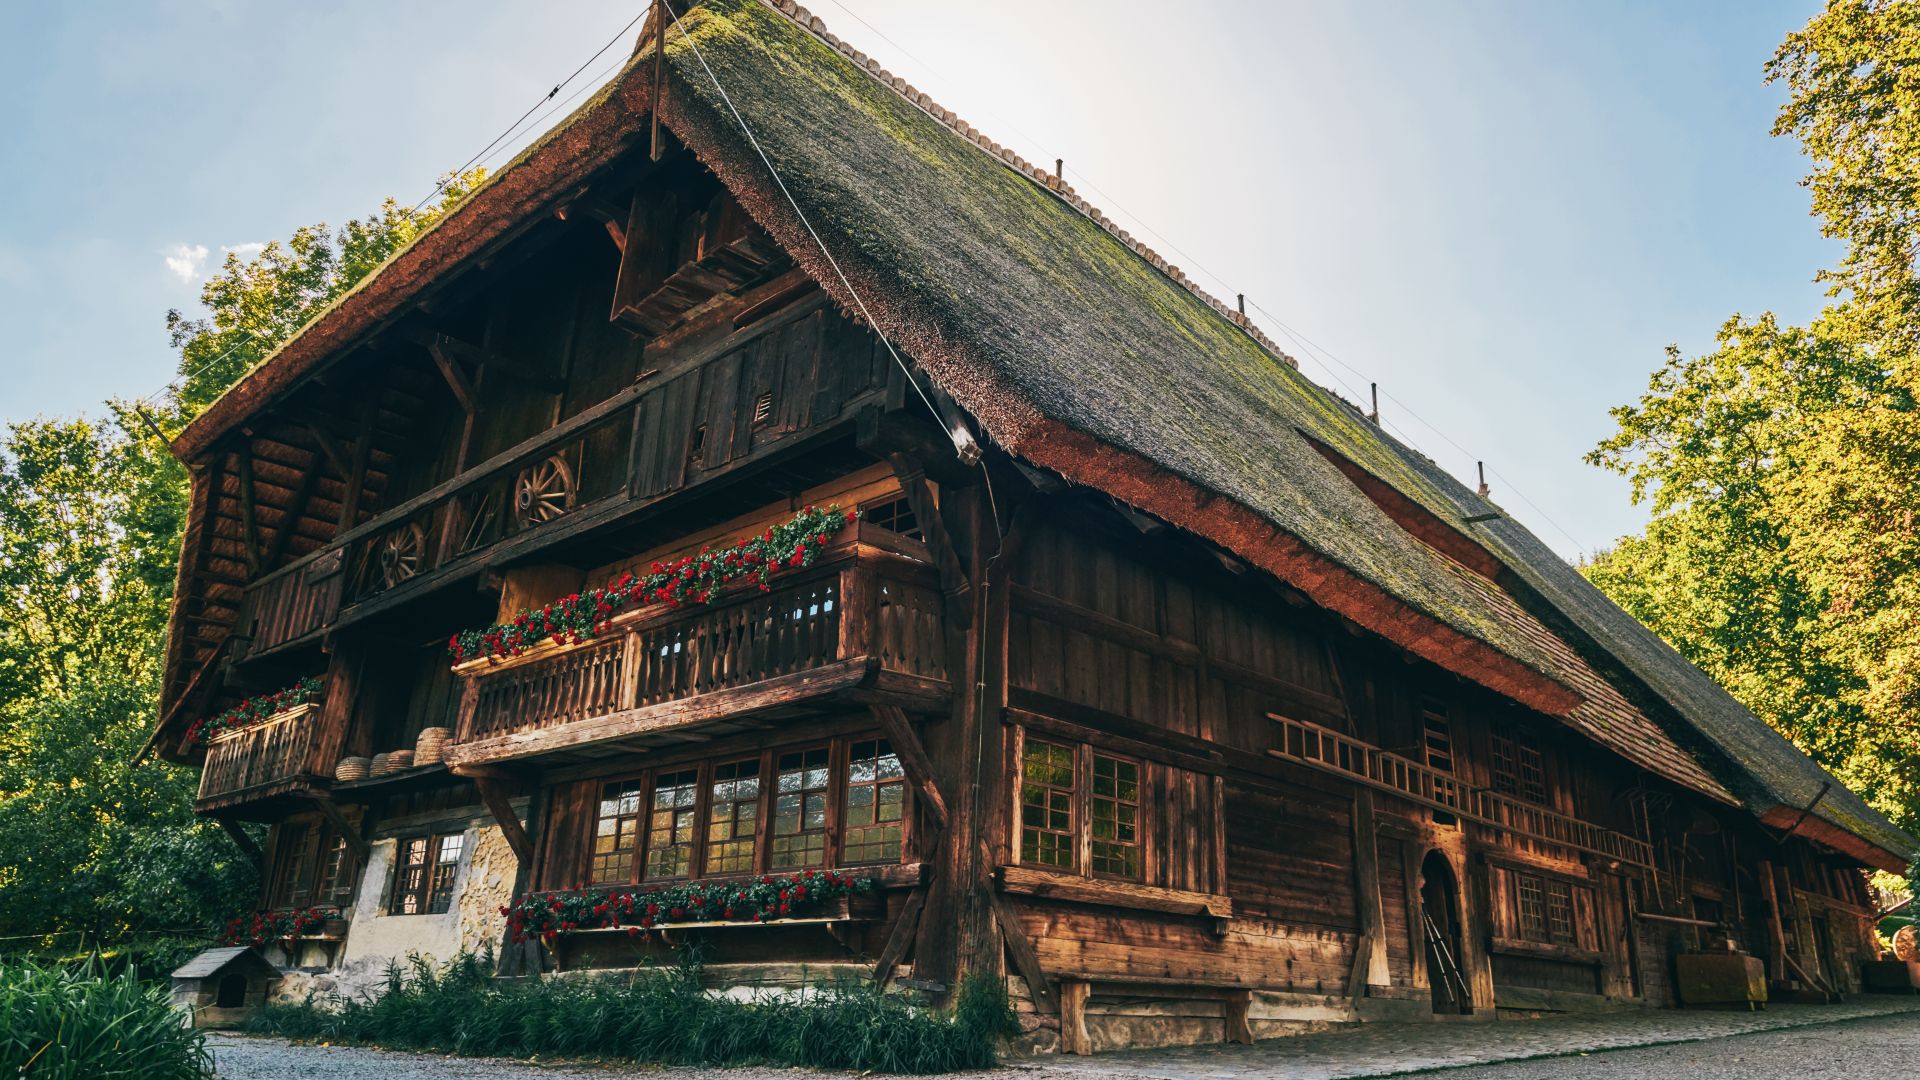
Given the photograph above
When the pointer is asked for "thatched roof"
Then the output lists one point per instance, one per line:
(1079, 350)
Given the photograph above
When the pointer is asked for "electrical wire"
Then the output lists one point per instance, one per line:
(802, 216)
(515, 126)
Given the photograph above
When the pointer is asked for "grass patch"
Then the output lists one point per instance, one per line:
(653, 1015)
(67, 1023)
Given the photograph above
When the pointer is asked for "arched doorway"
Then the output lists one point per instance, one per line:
(1440, 916)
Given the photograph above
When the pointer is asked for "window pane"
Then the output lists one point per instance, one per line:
(670, 825)
(1560, 912)
(616, 834)
(1528, 892)
(800, 810)
(1114, 811)
(445, 865)
(876, 793)
(732, 817)
(1046, 805)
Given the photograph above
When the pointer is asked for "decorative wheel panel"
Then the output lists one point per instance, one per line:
(403, 553)
(543, 491)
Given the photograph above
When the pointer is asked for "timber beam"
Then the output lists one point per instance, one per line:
(953, 578)
(331, 811)
(240, 838)
(914, 759)
(491, 782)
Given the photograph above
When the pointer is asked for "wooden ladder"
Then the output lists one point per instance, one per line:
(1451, 979)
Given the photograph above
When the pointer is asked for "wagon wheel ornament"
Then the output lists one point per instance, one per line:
(1906, 944)
(403, 553)
(543, 492)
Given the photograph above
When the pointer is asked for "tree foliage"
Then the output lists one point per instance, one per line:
(91, 513)
(1783, 466)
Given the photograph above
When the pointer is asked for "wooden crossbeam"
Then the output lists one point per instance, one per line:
(296, 509)
(903, 930)
(1025, 960)
(443, 358)
(240, 838)
(953, 577)
(493, 793)
(913, 758)
(331, 810)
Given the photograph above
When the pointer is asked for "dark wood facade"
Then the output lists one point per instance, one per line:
(1165, 792)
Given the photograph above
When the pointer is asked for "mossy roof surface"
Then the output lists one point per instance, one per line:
(1085, 329)
(1070, 318)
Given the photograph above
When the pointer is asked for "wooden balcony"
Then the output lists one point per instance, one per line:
(1343, 755)
(262, 766)
(863, 625)
(291, 606)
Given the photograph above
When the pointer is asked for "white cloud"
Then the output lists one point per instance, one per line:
(245, 251)
(186, 260)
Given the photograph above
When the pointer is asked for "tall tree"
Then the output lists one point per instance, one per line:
(90, 521)
(1783, 467)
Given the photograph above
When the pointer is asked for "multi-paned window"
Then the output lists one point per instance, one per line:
(314, 865)
(876, 803)
(800, 809)
(423, 874)
(1076, 799)
(1518, 766)
(616, 833)
(1114, 817)
(842, 802)
(337, 871)
(1047, 835)
(1542, 911)
(894, 514)
(733, 817)
(295, 887)
(670, 825)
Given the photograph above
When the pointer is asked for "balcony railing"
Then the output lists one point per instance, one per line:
(276, 750)
(861, 619)
(1343, 755)
(291, 604)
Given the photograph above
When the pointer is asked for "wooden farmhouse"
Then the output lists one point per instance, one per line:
(940, 584)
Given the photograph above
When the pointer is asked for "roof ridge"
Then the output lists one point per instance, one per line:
(1008, 157)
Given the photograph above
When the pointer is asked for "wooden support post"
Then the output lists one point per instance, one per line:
(1362, 957)
(493, 793)
(903, 930)
(1234, 1010)
(1025, 959)
(1777, 962)
(1372, 962)
(356, 478)
(1074, 1038)
(953, 578)
(450, 370)
(331, 449)
(914, 759)
(249, 534)
(331, 811)
(240, 839)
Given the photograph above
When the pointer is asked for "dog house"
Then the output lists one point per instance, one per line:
(221, 987)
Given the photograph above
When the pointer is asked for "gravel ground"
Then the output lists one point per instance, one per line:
(1855, 1049)
(1864, 1039)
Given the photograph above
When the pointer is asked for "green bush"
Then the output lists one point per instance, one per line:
(654, 1015)
(77, 1024)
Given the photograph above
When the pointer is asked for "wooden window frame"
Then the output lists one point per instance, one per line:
(768, 766)
(1517, 766)
(695, 811)
(429, 889)
(878, 783)
(1080, 816)
(308, 869)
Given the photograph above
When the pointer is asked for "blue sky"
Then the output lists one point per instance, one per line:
(1503, 212)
